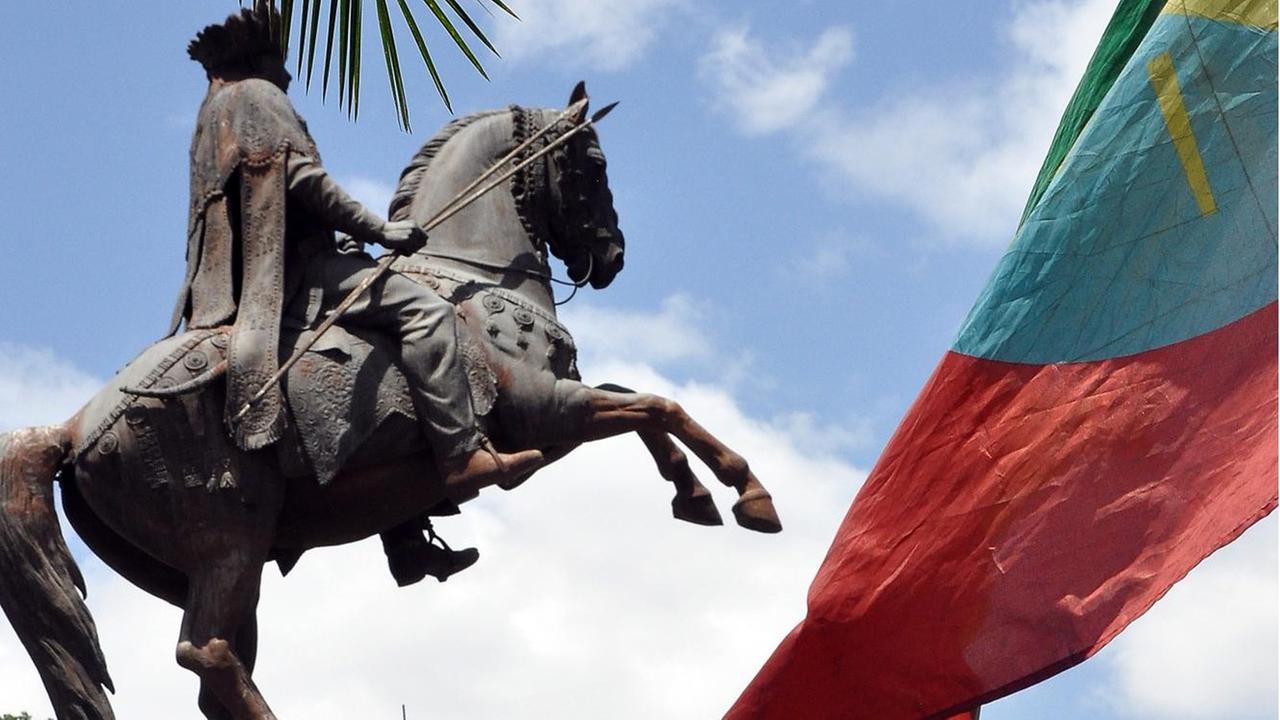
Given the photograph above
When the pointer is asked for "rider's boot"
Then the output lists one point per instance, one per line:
(486, 466)
(411, 556)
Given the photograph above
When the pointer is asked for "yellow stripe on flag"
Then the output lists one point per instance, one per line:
(1254, 13)
(1165, 81)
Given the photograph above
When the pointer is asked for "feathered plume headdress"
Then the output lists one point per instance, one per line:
(239, 41)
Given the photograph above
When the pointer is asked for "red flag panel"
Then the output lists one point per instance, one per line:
(1023, 515)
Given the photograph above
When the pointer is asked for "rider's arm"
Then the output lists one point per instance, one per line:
(311, 186)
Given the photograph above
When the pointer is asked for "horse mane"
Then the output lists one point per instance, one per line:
(411, 176)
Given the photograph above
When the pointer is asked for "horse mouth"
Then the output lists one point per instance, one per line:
(605, 272)
(598, 269)
(607, 261)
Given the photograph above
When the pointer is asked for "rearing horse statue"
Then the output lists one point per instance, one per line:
(152, 484)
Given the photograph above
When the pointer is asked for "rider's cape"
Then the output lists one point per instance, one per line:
(236, 240)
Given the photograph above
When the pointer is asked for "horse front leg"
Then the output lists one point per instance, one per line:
(692, 502)
(613, 413)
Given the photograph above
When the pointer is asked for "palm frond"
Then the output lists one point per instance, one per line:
(447, 24)
(328, 52)
(353, 61)
(345, 31)
(426, 54)
(471, 25)
(392, 58)
(311, 43)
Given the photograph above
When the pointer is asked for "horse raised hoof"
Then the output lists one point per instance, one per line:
(754, 511)
(697, 508)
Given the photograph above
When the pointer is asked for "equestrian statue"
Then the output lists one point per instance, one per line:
(412, 382)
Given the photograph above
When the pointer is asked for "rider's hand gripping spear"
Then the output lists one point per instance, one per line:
(455, 205)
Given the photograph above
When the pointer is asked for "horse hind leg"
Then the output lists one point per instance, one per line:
(611, 413)
(246, 649)
(40, 585)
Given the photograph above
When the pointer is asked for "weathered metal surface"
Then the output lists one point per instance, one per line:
(340, 393)
(163, 493)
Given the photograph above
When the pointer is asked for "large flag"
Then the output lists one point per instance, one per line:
(1107, 415)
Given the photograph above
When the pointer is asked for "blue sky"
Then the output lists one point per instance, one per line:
(813, 194)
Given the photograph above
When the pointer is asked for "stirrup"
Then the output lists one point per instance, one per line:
(508, 482)
(487, 445)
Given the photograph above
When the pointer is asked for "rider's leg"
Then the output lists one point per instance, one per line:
(424, 323)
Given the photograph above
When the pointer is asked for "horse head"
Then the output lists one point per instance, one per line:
(559, 205)
(585, 232)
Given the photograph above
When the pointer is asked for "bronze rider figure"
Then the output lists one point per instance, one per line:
(261, 247)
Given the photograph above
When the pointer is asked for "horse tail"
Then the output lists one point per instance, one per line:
(40, 578)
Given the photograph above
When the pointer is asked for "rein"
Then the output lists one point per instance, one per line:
(529, 273)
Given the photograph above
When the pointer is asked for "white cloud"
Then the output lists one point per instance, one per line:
(673, 334)
(589, 600)
(606, 36)
(1208, 650)
(831, 255)
(811, 434)
(39, 388)
(962, 154)
(374, 194)
(766, 92)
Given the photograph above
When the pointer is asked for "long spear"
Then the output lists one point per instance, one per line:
(384, 264)
(577, 109)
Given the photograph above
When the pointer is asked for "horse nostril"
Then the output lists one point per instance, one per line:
(613, 258)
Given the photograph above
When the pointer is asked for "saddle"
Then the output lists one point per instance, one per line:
(167, 406)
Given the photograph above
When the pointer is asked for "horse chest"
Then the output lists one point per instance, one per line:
(521, 334)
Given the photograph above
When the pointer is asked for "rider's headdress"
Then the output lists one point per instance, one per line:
(239, 41)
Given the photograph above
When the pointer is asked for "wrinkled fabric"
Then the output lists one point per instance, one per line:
(250, 155)
(1021, 516)
(1106, 418)
(244, 135)
(246, 121)
(424, 325)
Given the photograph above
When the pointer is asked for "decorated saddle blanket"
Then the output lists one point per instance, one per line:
(167, 406)
(165, 410)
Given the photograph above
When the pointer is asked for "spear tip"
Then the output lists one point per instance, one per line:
(599, 114)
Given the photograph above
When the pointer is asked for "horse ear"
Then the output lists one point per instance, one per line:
(579, 93)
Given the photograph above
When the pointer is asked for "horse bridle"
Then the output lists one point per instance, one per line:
(525, 122)
(548, 277)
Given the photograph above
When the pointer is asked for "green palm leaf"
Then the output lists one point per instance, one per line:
(426, 54)
(328, 52)
(447, 24)
(344, 19)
